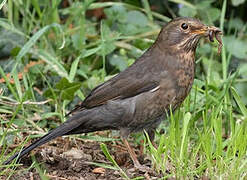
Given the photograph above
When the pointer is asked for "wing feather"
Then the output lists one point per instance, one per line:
(131, 82)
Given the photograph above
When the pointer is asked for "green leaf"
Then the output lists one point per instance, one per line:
(186, 11)
(49, 93)
(42, 123)
(129, 6)
(76, 40)
(213, 14)
(185, 3)
(236, 23)
(64, 89)
(236, 46)
(119, 62)
(107, 40)
(107, 48)
(243, 70)
(204, 4)
(116, 12)
(15, 51)
(105, 31)
(237, 2)
(137, 18)
(90, 52)
(67, 89)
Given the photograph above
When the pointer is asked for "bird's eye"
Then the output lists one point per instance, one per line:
(184, 26)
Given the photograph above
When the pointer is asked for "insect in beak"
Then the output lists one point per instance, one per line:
(212, 32)
(215, 32)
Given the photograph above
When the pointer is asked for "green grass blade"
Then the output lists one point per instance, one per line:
(54, 63)
(26, 48)
(11, 88)
(186, 121)
(17, 84)
(106, 166)
(73, 69)
(2, 4)
(239, 101)
(147, 9)
(110, 158)
(8, 26)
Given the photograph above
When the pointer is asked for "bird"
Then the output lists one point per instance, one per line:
(140, 97)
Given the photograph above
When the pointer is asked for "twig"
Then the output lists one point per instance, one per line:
(25, 102)
(52, 176)
(35, 125)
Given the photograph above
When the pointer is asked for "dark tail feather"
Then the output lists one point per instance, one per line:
(64, 128)
(88, 120)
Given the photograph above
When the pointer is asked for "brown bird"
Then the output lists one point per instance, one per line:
(138, 98)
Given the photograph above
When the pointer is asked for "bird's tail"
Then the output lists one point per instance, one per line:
(74, 122)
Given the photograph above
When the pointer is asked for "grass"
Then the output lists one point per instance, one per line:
(205, 137)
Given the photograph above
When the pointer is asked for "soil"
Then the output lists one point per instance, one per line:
(70, 159)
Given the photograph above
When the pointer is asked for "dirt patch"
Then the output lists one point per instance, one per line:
(64, 158)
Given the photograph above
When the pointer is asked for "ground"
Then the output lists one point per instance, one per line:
(71, 158)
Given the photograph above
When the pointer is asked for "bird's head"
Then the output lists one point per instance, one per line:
(184, 34)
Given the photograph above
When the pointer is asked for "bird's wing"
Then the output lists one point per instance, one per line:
(137, 79)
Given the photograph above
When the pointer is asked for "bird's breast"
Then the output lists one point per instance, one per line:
(184, 74)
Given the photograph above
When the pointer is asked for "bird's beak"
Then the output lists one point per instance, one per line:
(207, 31)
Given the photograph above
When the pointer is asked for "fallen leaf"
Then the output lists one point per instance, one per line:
(98, 170)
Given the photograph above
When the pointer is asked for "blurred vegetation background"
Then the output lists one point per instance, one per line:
(52, 53)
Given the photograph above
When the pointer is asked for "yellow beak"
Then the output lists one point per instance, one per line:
(205, 30)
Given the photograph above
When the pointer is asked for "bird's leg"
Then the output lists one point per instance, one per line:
(132, 153)
(133, 156)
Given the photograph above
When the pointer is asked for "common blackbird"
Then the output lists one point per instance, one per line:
(138, 98)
